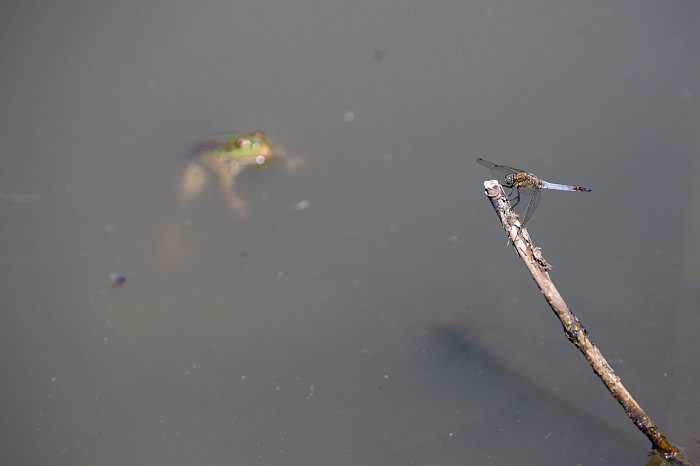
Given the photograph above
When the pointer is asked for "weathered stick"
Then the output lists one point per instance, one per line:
(575, 331)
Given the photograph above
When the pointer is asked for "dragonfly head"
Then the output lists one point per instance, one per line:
(510, 179)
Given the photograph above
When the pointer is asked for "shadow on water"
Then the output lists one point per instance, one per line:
(533, 400)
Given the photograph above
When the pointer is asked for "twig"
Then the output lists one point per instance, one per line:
(575, 331)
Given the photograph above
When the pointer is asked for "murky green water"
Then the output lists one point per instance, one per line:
(388, 322)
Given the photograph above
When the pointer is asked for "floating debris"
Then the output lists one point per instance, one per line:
(117, 279)
(302, 205)
(311, 392)
(109, 230)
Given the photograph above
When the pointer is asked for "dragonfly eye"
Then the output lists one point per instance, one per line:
(510, 179)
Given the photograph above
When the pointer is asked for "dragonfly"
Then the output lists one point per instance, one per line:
(524, 195)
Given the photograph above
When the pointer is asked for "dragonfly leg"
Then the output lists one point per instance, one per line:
(515, 200)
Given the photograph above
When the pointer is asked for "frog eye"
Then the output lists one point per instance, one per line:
(243, 143)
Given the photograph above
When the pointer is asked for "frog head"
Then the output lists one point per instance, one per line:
(240, 148)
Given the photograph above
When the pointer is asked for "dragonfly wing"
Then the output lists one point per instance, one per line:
(524, 201)
(530, 204)
(497, 169)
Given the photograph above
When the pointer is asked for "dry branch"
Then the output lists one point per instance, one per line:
(575, 331)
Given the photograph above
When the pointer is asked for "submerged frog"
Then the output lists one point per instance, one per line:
(227, 155)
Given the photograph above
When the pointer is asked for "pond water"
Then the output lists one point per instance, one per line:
(367, 309)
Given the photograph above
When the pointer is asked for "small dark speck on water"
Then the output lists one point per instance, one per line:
(244, 256)
(117, 279)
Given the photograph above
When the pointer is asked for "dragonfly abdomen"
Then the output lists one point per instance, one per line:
(562, 187)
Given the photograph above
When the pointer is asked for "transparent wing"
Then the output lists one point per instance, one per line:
(497, 169)
(524, 202)
(528, 202)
